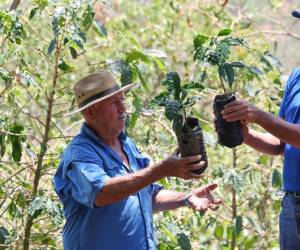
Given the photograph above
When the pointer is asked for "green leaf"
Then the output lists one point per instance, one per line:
(178, 124)
(55, 27)
(276, 179)
(42, 4)
(141, 77)
(184, 241)
(73, 52)
(51, 47)
(199, 54)
(100, 28)
(3, 235)
(88, 17)
(173, 109)
(126, 75)
(219, 231)
(224, 32)
(238, 227)
(229, 74)
(135, 55)
(55, 211)
(32, 13)
(193, 85)
(159, 100)
(6, 76)
(155, 53)
(212, 57)
(271, 61)
(2, 144)
(233, 41)
(199, 40)
(16, 141)
(36, 207)
(238, 65)
(172, 82)
(64, 66)
(223, 51)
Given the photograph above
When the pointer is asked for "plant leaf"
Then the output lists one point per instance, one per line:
(238, 64)
(73, 52)
(173, 108)
(276, 179)
(238, 224)
(51, 47)
(88, 17)
(135, 55)
(184, 241)
(199, 40)
(32, 13)
(155, 53)
(3, 235)
(126, 75)
(100, 28)
(224, 32)
(16, 141)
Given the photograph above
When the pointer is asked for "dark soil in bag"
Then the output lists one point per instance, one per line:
(230, 134)
(191, 142)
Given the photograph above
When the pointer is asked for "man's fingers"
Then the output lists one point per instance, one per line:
(217, 201)
(197, 165)
(191, 159)
(196, 176)
(210, 187)
(213, 207)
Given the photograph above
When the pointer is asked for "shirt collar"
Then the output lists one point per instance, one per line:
(85, 129)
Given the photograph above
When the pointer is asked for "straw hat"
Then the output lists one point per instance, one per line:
(95, 88)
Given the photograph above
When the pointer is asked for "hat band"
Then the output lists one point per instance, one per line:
(99, 95)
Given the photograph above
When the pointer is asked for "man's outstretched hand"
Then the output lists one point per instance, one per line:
(201, 198)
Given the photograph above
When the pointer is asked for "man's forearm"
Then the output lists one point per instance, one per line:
(120, 187)
(168, 200)
(286, 132)
(264, 142)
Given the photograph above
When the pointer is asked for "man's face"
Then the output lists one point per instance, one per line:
(111, 112)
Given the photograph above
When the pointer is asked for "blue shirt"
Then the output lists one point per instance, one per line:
(290, 112)
(85, 166)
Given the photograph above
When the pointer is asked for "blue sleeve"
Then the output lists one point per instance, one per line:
(156, 188)
(87, 179)
(289, 84)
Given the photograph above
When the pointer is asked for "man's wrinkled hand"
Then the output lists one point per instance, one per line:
(202, 199)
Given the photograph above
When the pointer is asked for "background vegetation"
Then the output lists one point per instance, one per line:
(47, 45)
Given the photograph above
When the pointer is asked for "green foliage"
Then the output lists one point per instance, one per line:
(175, 99)
(47, 45)
(217, 53)
(11, 27)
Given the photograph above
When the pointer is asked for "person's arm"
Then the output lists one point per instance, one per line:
(282, 131)
(199, 199)
(263, 142)
(286, 132)
(120, 187)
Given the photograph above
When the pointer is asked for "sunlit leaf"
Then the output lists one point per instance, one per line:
(224, 32)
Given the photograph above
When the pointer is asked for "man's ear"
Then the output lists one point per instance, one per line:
(88, 113)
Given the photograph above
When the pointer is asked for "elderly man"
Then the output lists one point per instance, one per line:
(283, 138)
(107, 189)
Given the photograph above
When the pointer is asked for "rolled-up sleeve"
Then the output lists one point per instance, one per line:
(87, 179)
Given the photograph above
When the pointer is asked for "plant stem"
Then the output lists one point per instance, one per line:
(234, 203)
(223, 85)
(43, 148)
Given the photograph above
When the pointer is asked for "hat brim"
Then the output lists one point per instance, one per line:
(122, 89)
(296, 13)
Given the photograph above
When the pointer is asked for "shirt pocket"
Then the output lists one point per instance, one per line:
(114, 169)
